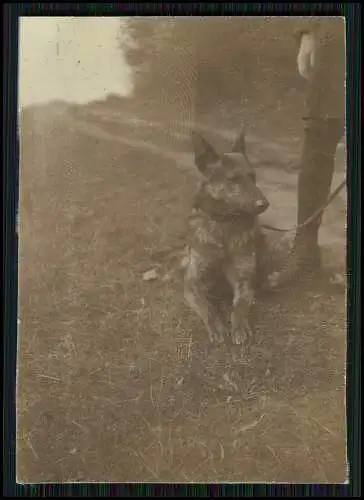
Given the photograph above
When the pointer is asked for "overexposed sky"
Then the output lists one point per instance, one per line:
(76, 59)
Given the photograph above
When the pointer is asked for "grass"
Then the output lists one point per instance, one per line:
(116, 379)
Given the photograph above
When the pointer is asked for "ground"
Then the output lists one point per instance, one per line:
(115, 378)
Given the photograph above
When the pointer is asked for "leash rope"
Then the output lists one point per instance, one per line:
(312, 217)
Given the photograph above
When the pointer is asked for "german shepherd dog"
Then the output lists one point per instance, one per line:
(225, 240)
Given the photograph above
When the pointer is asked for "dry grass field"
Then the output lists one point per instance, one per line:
(116, 381)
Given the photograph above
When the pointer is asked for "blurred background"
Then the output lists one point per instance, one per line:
(189, 65)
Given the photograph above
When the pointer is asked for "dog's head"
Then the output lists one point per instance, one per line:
(229, 187)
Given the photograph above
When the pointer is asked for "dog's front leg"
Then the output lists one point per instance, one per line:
(195, 295)
(241, 276)
(196, 298)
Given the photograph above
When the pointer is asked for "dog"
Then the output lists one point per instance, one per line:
(226, 241)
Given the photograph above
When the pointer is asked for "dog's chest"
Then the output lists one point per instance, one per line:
(223, 238)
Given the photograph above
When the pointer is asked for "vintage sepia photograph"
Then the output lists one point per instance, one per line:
(182, 235)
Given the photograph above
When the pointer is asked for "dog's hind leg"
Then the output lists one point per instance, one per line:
(196, 296)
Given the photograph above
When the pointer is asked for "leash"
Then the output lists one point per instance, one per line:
(313, 217)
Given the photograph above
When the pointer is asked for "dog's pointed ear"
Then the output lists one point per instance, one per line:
(240, 144)
(205, 154)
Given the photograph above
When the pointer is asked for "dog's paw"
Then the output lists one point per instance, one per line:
(217, 335)
(241, 336)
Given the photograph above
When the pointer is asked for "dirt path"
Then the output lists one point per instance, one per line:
(333, 233)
